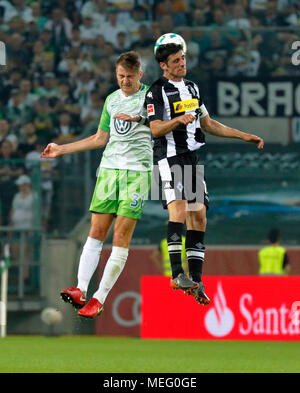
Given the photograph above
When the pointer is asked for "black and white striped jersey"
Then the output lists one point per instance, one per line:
(167, 99)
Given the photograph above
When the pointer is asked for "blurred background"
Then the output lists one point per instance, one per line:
(59, 69)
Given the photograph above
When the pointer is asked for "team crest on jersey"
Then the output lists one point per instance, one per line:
(187, 105)
(122, 126)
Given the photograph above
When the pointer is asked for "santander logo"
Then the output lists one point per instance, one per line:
(219, 320)
(252, 313)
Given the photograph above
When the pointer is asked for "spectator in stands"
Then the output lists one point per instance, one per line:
(9, 172)
(66, 101)
(88, 31)
(4, 129)
(156, 29)
(42, 118)
(238, 18)
(198, 18)
(27, 97)
(22, 9)
(111, 27)
(37, 17)
(175, 9)
(243, 61)
(60, 26)
(84, 83)
(48, 171)
(271, 17)
(123, 43)
(218, 47)
(65, 131)
(23, 215)
(289, 12)
(16, 110)
(17, 25)
(28, 138)
(24, 203)
(15, 49)
(273, 259)
(49, 88)
(144, 39)
(138, 18)
(96, 8)
(90, 114)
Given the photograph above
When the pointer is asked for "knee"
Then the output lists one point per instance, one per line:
(98, 233)
(197, 221)
(178, 213)
(120, 239)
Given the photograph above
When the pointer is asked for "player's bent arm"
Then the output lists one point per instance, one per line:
(162, 127)
(96, 141)
(213, 127)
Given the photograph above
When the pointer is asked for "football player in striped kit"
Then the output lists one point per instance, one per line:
(178, 117)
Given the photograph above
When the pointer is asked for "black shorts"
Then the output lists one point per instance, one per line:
(181, 177)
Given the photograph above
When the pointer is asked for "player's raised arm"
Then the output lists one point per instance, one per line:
(96, 141)
(213, 127)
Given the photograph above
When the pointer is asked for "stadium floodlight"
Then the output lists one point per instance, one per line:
(4, 265)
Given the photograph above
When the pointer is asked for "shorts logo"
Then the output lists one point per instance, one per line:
(184, 106)
(150, 109)
(122, 127)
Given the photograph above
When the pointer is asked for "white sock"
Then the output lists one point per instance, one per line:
(88, 262)
(112, 271)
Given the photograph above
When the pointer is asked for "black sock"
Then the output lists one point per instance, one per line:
(174, 237)
(195, 252)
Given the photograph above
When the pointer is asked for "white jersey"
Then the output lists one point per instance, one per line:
(129, 145)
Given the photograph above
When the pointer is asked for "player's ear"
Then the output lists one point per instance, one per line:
(141, 74)
(163, 65)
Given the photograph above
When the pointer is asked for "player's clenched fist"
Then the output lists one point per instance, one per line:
(186, 119)
(52, 150)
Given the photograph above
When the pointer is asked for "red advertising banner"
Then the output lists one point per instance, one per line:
(241, 308)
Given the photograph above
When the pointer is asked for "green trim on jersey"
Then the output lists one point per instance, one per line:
(104, 123)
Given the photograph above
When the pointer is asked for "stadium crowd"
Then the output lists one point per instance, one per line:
(60, 56)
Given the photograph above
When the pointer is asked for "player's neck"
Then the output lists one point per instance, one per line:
(173, 78)
(133, 91)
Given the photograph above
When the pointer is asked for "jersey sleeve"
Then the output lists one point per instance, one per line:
(104, 123)
(154, 103)
(202, 112)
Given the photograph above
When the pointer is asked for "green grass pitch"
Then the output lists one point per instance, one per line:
(95, 354)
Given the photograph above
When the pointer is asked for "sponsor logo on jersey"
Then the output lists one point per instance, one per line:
(121, 126)
(150, 109)
(184, 106)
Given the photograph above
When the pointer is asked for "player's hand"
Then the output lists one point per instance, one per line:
(255, 139)
(124, 117)
(52, 150)
(186, 119)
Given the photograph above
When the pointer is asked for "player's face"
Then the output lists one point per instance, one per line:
(128, 80)
(175, 67)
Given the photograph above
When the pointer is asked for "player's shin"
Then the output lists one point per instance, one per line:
(112, 271)
(88, 262)
(195, 252)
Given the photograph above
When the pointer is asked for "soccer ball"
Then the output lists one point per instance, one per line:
(170, 38)
(51, 316)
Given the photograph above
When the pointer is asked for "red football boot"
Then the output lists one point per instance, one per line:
(73, 296)
(92, 309)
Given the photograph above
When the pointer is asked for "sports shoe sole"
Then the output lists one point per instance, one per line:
(68, 299)
(199, 299)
